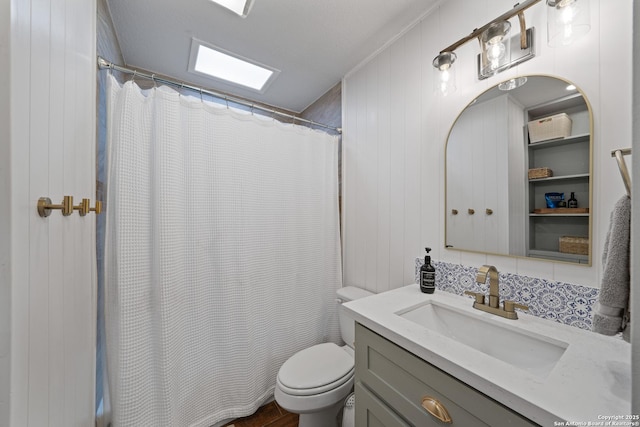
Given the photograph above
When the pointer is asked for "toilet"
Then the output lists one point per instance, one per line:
(315, 381)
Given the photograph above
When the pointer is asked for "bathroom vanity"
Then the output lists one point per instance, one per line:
(423, 358)
(392, 381)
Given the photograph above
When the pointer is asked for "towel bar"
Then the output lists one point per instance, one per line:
(626, 178)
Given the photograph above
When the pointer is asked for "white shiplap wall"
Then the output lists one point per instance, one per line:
(5, 215)
(48, 264)
(395, 130)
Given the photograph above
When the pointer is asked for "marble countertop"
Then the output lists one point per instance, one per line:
(591, 381)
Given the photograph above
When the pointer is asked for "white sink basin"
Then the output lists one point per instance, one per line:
(525, 350)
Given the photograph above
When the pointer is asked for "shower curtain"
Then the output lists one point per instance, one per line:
(222, 255)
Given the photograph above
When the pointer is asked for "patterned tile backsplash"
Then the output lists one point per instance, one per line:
(563, 302)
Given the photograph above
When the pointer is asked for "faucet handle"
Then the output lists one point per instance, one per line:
(510, 306)
(478, 296)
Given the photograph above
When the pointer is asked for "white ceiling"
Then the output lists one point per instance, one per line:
(314, 43)
(537, 90)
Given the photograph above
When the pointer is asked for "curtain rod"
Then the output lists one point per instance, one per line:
(103, 63)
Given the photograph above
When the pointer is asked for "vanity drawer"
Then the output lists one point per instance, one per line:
(401, 380)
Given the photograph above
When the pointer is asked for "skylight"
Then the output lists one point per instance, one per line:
(230, 68)
(240, 7)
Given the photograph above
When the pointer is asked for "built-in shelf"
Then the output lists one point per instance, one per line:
(561, 177)
(560, 256)
(567, 214)
(570, 161)
(545, 109)
(573, 139)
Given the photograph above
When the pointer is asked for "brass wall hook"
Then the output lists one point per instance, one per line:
(45, 206)
(83, 207)
(98, 208)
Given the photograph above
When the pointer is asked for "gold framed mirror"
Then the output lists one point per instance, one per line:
(518, 172)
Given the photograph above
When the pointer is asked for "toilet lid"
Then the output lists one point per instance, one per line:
(311, 370)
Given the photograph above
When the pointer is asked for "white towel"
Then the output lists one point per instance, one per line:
(611, 311)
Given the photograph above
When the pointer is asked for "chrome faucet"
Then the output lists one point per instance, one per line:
(493, 307)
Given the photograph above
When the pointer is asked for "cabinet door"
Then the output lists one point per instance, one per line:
(476, 177)
(371, 412)
(401, 380)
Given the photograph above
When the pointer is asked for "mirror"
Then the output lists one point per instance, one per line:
(513, 160)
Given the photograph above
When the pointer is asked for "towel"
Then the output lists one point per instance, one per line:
(611, 312)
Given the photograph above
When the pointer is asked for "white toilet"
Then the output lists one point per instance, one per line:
(315, 381)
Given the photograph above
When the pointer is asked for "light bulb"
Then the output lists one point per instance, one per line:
(567, 20)
(568, 12)
(495, 47)
(495, 52)
(445, 77)
(445, 81)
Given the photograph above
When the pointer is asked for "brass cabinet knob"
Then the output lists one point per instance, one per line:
(437, 409)
(454, 211)
(471, 211)
(489, 211)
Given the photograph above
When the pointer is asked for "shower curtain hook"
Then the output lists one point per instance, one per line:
(201, 100)
(153, 79)
(133, 76)
(252, 109)
(226, 99)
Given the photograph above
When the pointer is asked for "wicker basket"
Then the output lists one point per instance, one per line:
(574, 245)
(553, 127)
(540, 173)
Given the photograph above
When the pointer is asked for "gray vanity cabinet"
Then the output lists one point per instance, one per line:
(392, 382)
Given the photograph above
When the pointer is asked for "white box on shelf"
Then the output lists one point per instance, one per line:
(552, 127)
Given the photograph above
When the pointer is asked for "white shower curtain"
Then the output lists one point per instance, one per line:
(222, 255)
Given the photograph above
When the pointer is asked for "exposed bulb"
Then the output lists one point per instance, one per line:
(568, 13)
(567, 21)
(445, 77)
(444, 82)
(495, 52)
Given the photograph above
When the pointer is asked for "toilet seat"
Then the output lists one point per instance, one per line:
(316, 370)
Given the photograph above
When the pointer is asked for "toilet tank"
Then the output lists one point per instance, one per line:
(347, 323)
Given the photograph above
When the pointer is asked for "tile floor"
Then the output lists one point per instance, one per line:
(269, 415)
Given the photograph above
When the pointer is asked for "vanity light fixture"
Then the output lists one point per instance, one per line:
(567, 20)
(239, 7)
(496, 52)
